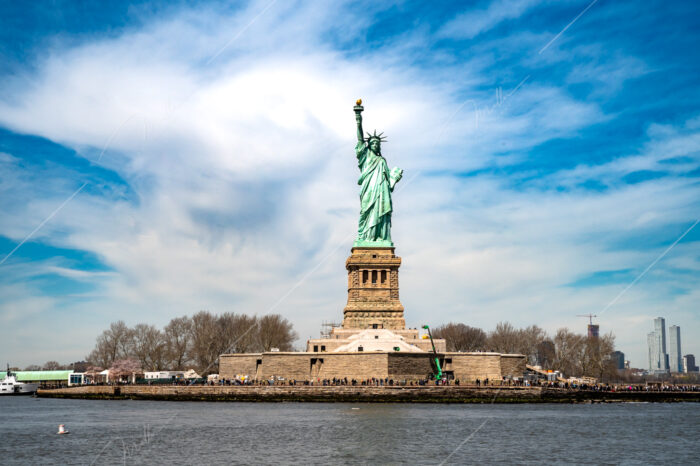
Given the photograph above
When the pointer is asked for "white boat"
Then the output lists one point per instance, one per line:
(10, 386)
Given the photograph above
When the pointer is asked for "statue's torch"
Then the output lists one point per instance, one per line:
(358, 106)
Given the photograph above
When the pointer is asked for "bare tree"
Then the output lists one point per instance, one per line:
(274, 331)
(546, 353)
(113, 344)
(103, 353)
(148, 346)
(529, 339)
(52, 366)
(504, 339)
(33, 367)
(570, 348)
(204, 334)
(211, 336)
(596, 361)
(122, 337)
(461, 337)
(178, 338)
(237, 333)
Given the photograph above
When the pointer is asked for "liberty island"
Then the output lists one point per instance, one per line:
(373, 348)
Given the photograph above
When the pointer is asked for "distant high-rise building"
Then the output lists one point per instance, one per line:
(619, 358)
(658, 359)
(661, 355)
(651, 342)
(674, 357)
(593, 330)
(689, 363)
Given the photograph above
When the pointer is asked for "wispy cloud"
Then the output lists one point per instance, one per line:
(479, 20)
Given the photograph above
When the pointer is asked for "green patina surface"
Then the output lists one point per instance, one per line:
(377, 183)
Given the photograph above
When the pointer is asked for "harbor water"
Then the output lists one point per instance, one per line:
(162, 432)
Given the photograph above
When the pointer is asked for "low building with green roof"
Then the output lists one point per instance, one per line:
(42, 377)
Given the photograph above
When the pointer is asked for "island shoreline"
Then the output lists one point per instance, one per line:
(366, 394)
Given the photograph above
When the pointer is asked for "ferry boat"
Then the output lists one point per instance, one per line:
(10, 386)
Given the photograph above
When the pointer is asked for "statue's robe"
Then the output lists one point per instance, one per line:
(375, 195)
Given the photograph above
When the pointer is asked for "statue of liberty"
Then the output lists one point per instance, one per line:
(374, 226)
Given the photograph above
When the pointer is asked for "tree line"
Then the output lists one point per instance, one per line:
(571, 353)
(197, 341)
(78, 366)
(191, 342)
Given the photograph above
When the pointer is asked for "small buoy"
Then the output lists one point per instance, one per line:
(62, 429)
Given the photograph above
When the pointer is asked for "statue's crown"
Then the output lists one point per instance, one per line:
(379, 136)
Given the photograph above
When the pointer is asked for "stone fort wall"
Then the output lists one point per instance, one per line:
(512, 365)
(398, 366)
(472, 366)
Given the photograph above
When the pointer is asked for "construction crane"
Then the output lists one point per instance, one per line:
(590, 317)
(438, 375)
(593, 329)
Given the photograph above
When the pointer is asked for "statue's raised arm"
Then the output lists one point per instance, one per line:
(358, 118)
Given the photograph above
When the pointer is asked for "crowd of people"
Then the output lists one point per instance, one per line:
(335, 381)
(476, 383)
(604, 387)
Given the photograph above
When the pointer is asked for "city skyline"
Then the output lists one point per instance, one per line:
(160, 158)
(661, 361)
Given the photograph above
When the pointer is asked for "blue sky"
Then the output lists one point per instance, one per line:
(544, 171)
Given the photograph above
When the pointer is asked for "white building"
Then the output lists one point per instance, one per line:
(164, 375)
(189, 374)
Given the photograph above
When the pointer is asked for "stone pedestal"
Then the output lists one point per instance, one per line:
(373, 318)
(373, 290)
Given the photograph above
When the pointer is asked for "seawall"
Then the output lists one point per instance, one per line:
(365, 394)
